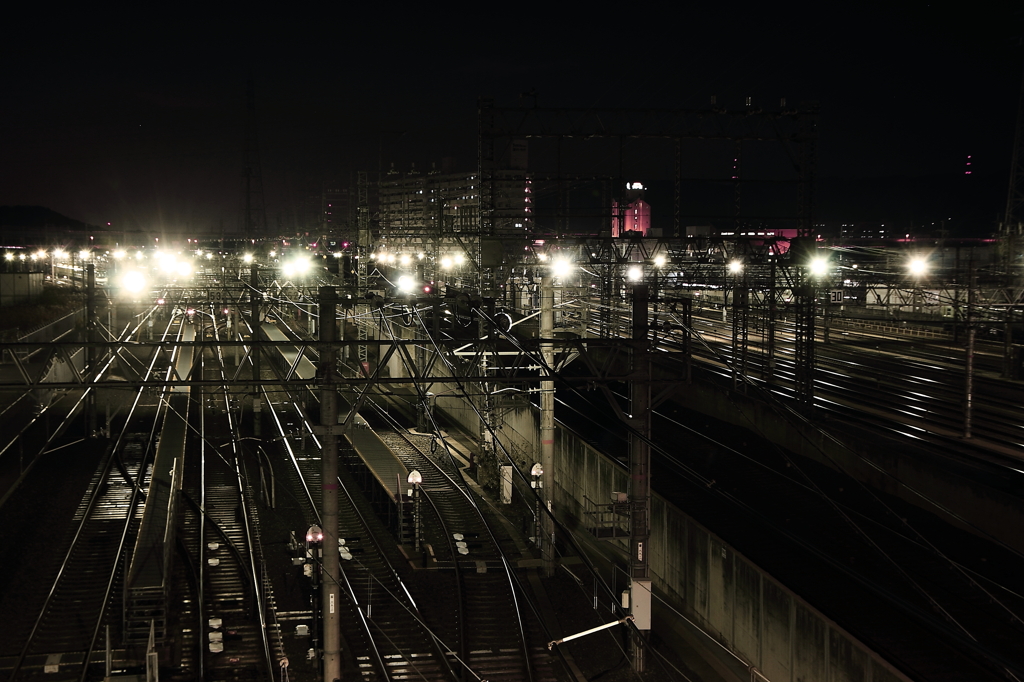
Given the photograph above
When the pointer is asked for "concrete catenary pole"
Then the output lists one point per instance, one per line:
(547, 421)
(330, 588)
(255, 297)
(91, 352)
(640, 473)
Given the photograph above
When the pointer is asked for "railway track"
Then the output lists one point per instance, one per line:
(76, 592)
(385, 637)
(498, 634)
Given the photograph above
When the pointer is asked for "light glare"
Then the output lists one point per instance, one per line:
(819, 266)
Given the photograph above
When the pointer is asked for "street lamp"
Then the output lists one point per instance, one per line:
(537, 471)
(415, 479)
(310, 569)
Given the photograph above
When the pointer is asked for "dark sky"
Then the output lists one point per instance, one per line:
(138, 120)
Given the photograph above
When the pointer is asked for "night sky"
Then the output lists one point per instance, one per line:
(139, 121)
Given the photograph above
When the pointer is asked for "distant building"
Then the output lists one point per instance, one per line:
(430, 205)
(634, 216)
(20, 287)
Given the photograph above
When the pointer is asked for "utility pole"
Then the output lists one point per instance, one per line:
(969, 359)
(329, 482)
(91, 327)
(547, 419)
(254, 302)
(640, 474)
(255, 219)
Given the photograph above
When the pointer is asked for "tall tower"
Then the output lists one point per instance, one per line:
(254, 215)
(1015, 194)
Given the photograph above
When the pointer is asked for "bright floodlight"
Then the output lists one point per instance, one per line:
(406, 283)
(183, 268)
(295, 267)
(40, 254)
(8, 256)
(459, 259)
(819, 266)
(735, 267)
(635, 273)
(659, 261)
(138, 255)
(561, 268)
(918, 267)
(168, 263)
(60, 254)
(133, 282)
(415, 477)
(446, 262)
(83, 254)
(405, 259)
(247, 258)
(119, 254)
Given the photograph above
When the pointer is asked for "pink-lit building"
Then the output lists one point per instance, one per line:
(632, 217)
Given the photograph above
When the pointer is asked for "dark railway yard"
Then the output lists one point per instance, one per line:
(242, 584)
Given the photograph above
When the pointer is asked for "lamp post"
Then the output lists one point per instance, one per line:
(314, 544)
(415, 479)
(537, 471)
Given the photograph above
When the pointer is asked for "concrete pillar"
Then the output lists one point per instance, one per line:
(330, 588)
(547, 421)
